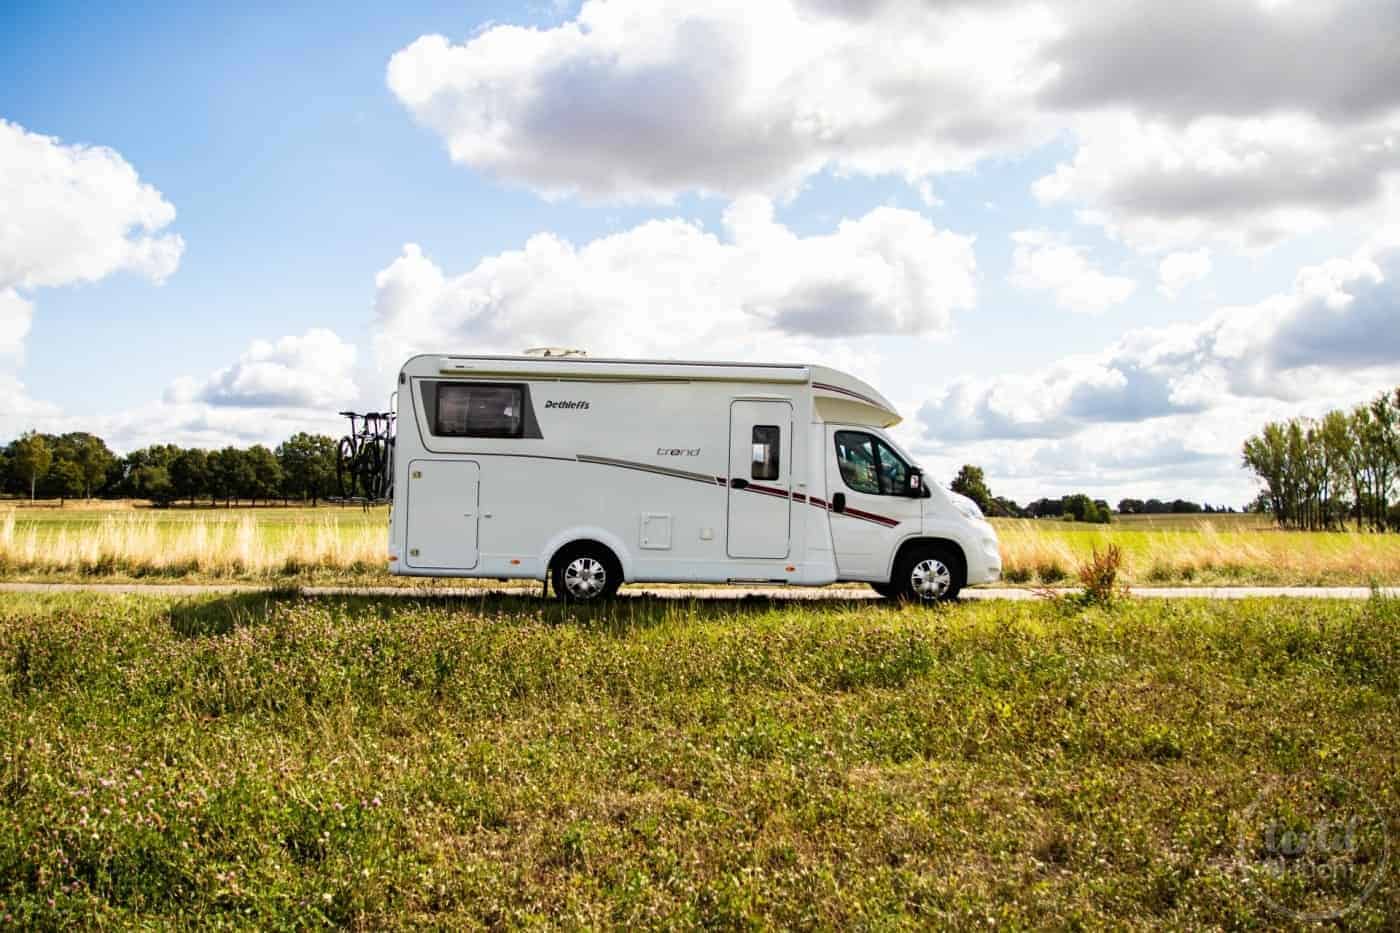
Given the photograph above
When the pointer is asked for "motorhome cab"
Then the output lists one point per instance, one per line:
(590, 472)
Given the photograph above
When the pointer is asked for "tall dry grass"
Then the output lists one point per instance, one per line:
(232, 544)
(142, 545)
(1049, 552)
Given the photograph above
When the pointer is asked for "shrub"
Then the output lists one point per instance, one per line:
(1099, 576)
(1017, 575)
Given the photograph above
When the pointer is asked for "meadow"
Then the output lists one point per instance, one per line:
(270, 762)
(335, 545)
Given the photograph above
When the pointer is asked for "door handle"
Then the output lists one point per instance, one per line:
(737, 483)
(838, 502)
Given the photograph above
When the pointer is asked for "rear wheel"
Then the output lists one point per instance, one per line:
(586, 573)
(345, 468)
(929, 573)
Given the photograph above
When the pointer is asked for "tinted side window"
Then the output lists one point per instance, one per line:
(765, 451)
(868, 465)
(855, 458)
(474, 409)
(893, 472)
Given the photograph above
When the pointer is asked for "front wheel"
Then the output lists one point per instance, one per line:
(929, 574)
(585, 575)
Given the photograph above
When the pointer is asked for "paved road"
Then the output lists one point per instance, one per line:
(707, 592)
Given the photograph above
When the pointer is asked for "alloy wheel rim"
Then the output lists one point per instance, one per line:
(931, 578)
(585, 577)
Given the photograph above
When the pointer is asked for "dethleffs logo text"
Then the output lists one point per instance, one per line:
(553, 404)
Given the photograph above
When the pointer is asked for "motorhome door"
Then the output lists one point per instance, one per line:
(760, 478)
(442, 514)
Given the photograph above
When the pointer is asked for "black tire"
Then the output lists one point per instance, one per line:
(929, 573)
(887, 590)
(345, 468)
(586, 573)
(370, 470)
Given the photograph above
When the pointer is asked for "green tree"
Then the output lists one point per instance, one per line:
(64, 480)
(1266, 454)
(94, 459)
(308, 466)
(152, 481)
(1382, 455)
(264, 473)
(31, 458)
(220, 474)
(1334, 434)
(242, 481)
(189, 473)
(156, 455)
(1084, 509)
(971, 482)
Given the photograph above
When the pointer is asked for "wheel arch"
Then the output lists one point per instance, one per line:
(908, 544)
(595, 536)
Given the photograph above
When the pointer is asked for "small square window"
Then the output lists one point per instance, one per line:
(765, 452)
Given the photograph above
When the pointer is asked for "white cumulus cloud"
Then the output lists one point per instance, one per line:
(1180, 270)
(1336, 333)
(15, 316)
(76, 213)
(1190, 125)
(1044, 261)
(1246, 183)
(68, 214)
(640, 99)
(314, 370)
(671, 288)
(1172, 405)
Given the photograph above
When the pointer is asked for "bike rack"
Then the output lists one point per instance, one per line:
(364, 461)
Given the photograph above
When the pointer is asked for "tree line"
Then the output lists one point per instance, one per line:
(1319, 473)
(1170, 507)
(971, 481)
(81, 465)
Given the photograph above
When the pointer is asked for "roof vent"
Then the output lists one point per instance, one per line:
(555, 352)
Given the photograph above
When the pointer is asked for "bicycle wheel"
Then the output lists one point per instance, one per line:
(345, 467)
(384, 477)
(370, 470)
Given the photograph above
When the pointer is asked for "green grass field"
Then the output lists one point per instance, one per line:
(265, 762)
(348, 545)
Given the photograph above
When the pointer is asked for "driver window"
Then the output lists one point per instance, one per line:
(867, 465)
(855, 457)
(893, 472)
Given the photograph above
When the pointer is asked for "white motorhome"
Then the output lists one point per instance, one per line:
(586, 473)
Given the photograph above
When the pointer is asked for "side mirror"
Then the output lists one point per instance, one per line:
(914, 485)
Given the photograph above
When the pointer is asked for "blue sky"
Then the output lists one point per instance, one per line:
(298, 170)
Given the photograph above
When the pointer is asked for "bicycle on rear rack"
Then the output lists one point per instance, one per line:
(364, 458)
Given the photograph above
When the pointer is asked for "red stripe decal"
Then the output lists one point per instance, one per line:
(841, 391)
(821, 504)
(872, 517)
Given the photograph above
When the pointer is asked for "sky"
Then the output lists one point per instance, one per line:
(1088, 247)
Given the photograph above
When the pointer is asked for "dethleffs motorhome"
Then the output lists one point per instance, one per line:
(590, 472)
